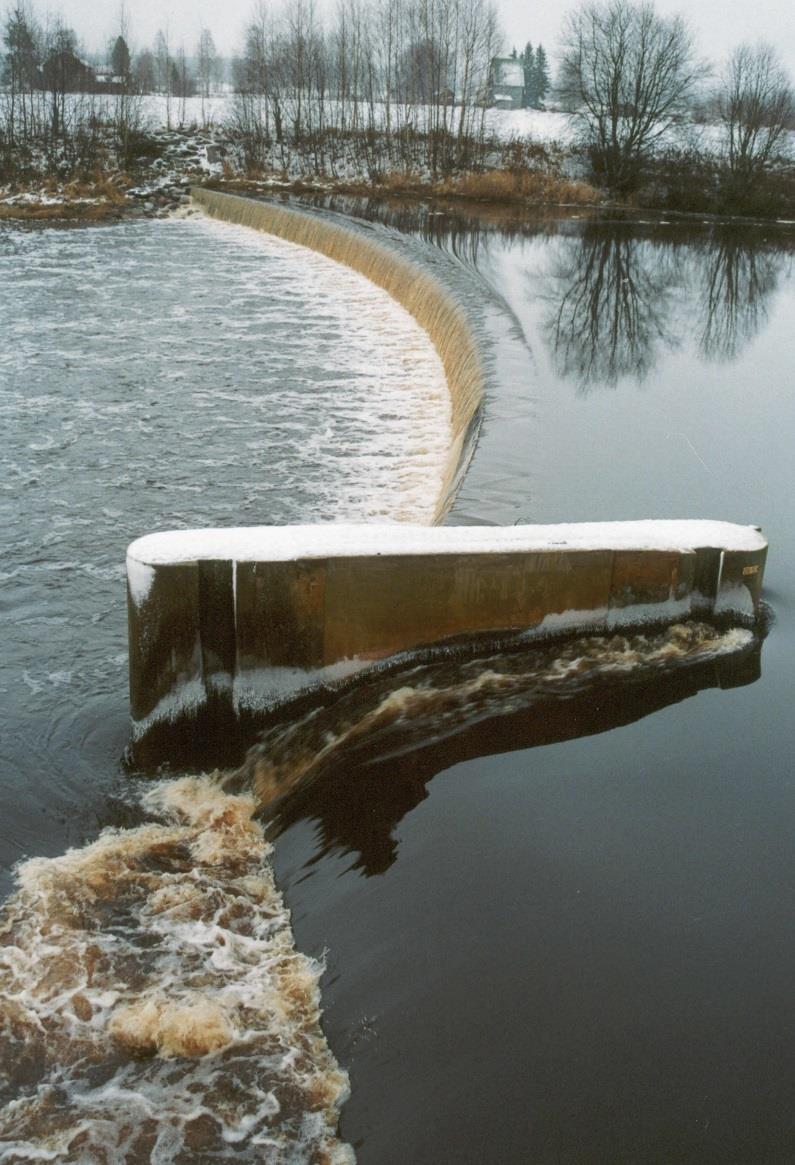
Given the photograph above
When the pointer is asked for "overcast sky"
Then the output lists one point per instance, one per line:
(718, 24)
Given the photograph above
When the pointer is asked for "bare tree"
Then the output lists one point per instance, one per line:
(378, 84)
(145, 72)
(21, 40)
(756, 107)
(164, 68)
(182, 84)
(127, 112)
(206, 68)
(626, 76)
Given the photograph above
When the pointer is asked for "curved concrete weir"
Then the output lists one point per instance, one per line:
(416, 290)
(225, 623)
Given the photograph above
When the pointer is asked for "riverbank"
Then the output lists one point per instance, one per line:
(519, 174)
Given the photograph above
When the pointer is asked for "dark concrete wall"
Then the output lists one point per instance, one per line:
(206, 626)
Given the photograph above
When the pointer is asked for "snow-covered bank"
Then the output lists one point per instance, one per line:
(544, 126)
(526, 157)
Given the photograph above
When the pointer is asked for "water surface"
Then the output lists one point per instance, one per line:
(160, 376)
(164, 375)
(556, 917)
(580, 951)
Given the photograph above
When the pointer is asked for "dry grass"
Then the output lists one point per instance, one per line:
(503, 187)
(92, 200)
(54, 211)
(404, 182)
(518, 186)
(101, 186)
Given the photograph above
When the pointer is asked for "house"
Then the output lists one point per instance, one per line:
(506, 83)
(64, 72)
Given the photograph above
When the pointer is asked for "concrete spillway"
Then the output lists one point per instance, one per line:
(225, 623)
(415, 289)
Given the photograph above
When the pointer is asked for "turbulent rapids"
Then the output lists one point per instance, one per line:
(154, 1007)
(414, 702)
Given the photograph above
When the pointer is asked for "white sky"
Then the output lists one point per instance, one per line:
(718, 24)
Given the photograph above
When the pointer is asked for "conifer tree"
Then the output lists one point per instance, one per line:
(541, 75)
(528, 62)
(120, 58)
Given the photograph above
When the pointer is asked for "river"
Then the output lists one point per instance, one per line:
(547, 928)
(580, 952)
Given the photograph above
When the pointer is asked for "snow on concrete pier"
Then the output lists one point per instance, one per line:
(226, 621)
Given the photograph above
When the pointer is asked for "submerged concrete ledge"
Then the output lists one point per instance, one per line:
(423, 296)
(240, 619)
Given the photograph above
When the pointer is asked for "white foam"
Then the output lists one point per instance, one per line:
(152, 992)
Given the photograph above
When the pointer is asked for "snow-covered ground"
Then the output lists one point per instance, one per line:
(195, 139)
(217, 112)
(539, 125)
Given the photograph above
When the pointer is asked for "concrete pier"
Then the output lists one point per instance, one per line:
(226, 621)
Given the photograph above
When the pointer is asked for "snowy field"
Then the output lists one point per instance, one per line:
(544, 126)
(217, 113)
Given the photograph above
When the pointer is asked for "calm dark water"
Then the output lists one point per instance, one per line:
(559, 935)
(582, 951)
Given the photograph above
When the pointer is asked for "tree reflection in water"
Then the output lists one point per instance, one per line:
(615, 290)
(612, 296)
(609, 294)
(738, 278)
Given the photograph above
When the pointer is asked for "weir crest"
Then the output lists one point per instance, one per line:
(425, 298)
(226, 624)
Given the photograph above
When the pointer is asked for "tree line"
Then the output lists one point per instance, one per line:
(60, 114)
(392, 86)
(400, 83)
(630, 77)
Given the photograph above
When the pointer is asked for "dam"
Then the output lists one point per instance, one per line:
(542, 881)
(224, 624)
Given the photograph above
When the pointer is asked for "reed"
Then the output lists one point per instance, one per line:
(418, 292)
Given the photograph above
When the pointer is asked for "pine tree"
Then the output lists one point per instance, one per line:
(120, 58)
(528, 62)
(541, 72)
